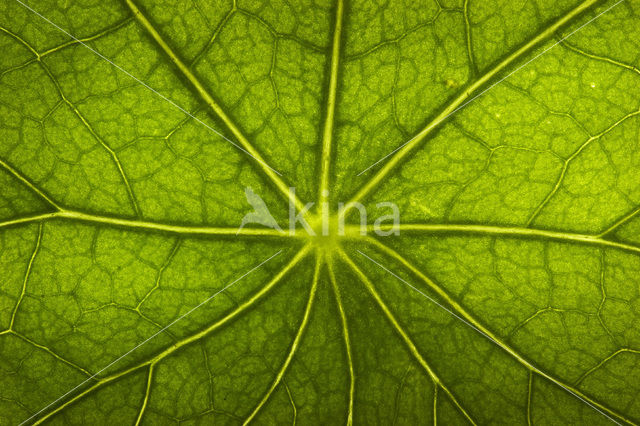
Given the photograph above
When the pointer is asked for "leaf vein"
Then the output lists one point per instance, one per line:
(471, 321)
(415, 352)
(465, 97)
(206, 96)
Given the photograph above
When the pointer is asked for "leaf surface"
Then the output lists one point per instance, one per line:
(507, 133)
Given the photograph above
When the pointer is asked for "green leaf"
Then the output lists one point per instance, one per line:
(508, 133)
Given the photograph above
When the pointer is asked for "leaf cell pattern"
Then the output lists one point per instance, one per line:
(507, 132)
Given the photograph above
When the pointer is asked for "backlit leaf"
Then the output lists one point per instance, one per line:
(135, 133)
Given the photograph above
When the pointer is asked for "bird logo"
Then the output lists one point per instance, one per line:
(260, 213)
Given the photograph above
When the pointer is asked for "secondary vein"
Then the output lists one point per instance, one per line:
(15, 173)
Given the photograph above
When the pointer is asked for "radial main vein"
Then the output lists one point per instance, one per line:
(215, 107)
(294, 345)
(346, 338)
(350, 230)
(327, 135)
(147, 225)
(506, 231)
(462, 314)
(413, 349)
(151, 362)
(462, 99)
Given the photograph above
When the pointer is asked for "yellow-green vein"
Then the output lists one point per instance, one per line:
(47, 350)
(604, 361)
(347, 341)
(26, 277)
(332, 93)
(506, 231)
(590, 55)
(214, 36)
(435, 404)
(248, 148)
(213, 104)
(147, 392)
(164, 266)
(461, 313)
(39, 56)
(72, 215)
(15, 173)
(413, 349)
(294, 346)
(467, 30)
(179, 344)
(86, 392)
(293, 404)
(396, 156)
(84, 122)
(626, 218)
(566, 163)
(110, 151)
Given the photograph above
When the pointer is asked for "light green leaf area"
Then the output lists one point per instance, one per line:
(135, 133)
